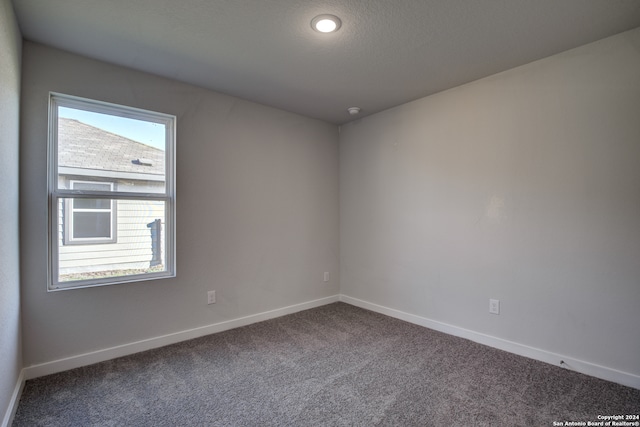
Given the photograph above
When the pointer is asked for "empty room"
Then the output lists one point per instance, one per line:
(320, 213)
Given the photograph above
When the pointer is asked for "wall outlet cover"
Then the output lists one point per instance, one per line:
(494, 306)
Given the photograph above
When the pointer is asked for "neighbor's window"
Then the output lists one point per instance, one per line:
(90, 220)
(111, 191)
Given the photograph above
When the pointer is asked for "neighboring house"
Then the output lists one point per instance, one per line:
(98, 235)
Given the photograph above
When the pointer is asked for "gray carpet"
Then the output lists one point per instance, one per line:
(336, 365)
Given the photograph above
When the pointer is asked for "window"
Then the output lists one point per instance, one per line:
(90, 220)
(111, 193)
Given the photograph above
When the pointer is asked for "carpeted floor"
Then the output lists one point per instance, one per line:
(336, 365)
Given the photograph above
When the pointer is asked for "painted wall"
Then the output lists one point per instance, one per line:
(524, 187)
(257, 211)
(10, 342)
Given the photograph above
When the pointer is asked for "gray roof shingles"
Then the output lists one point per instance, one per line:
(83, 146)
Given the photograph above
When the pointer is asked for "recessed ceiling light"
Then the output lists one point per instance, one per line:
(326, 23)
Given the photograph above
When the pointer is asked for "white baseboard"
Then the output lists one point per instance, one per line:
(85, 359)
(77, 361)
(13, 403)
(602, 372)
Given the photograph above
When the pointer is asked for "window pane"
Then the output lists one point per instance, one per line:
(91, 204)
(93, 186)
(91, 225)
(140, 246)
(98, 145)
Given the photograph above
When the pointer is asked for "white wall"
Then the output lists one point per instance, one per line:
(257, 213)
(523, 186)
(10, 344)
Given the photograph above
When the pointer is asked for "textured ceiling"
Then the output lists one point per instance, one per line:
(387, 52)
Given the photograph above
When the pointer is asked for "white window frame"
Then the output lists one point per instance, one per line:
(56, 194)
(70, 210)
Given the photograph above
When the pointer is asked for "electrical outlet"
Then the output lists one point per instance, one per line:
(494, 306)
(211, 297)
(326, 276)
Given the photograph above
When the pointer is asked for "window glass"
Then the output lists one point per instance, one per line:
(108, 146)
(100, 204)
(140, 248)
(91, 225)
